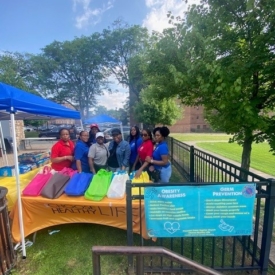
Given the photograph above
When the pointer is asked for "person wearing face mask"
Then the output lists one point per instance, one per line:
(62, 153)
(81, 153)
(119, 152)
(160, 160)
(98, 154)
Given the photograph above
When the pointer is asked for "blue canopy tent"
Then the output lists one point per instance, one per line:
(104, 119)
(18, 104)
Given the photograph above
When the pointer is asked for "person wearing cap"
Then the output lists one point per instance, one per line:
(93, 130)
(119, 152)
(81, 163)
(92, 134)
(98, 154)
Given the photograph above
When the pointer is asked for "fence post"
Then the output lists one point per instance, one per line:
(172, 149)
(129, 222)
(267, 227)
(192, 164)
(96, 263)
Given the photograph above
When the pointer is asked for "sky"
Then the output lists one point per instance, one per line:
(26, 26)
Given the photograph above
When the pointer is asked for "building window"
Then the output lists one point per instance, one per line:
(197, 117)
(204, 127)
(198, 126)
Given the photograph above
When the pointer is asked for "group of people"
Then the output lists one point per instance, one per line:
(91, 152)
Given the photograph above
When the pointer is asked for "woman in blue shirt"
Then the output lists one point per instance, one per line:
(134, 141)
(81, 163)
(160, 159)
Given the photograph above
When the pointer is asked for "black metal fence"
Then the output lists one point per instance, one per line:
(245, 253)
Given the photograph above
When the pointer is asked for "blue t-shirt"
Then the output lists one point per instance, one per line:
(161, 150)
(81, 153)
(134, 144)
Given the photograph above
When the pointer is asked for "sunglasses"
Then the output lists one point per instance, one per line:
(144, 135)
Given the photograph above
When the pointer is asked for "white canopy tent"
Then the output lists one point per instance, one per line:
(18, 104)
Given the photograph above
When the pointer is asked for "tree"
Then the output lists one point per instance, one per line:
(14, 70)
(124, 42)
(225, 62)
(73, 71)
(150, 110)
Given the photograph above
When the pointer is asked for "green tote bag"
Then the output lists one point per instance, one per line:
(99, 185)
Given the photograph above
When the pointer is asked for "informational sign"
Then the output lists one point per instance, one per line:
(196, 211)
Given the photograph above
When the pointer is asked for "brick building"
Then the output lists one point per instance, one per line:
(192, 121)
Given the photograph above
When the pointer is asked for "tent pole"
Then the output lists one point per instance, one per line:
(121, 129)
(81, 124)
(4, 151)
(15, 155)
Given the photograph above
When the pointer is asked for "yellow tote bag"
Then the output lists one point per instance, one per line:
(143, 178)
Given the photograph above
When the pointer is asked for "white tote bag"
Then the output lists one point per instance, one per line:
(118, 186)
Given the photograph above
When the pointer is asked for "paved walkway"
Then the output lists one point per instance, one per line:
(264, 175)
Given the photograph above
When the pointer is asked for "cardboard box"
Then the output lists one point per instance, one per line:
(7, 171)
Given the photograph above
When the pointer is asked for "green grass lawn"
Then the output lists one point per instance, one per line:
(201, 137)
(261, 158)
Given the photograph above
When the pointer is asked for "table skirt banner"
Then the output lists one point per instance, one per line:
(39, 213)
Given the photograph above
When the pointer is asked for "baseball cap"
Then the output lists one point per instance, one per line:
(116, 132)
(94, 125)
(99, 134)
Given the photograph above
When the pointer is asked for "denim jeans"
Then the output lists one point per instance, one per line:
(165, 173)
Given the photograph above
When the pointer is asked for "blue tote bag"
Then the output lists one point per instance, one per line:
(78, 184)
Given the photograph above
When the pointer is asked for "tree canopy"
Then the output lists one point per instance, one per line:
(221, 55)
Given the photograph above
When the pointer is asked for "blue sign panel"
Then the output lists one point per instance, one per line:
(192, 211)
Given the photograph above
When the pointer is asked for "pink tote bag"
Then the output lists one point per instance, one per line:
(38, 182)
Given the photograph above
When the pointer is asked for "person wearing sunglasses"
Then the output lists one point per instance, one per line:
(145, 150)
(119, 152)
(134, 141)
(161, 165)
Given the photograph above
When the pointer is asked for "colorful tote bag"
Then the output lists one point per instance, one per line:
(38, 182)
(118, 186)
(78, 184)
(143, 178)
(55, 186)
(99, 185)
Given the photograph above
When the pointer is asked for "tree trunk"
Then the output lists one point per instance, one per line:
(246, 154)
(133, 100)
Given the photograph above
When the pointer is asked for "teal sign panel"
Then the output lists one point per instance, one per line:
(196, 211)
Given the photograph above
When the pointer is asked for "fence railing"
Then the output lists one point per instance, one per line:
(245, 253)
(141, 252)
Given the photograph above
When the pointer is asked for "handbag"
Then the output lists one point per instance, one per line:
(55, 186)
(154, 174)
(118, 186)
(99, 185)
(78, 184)
(38, 182)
